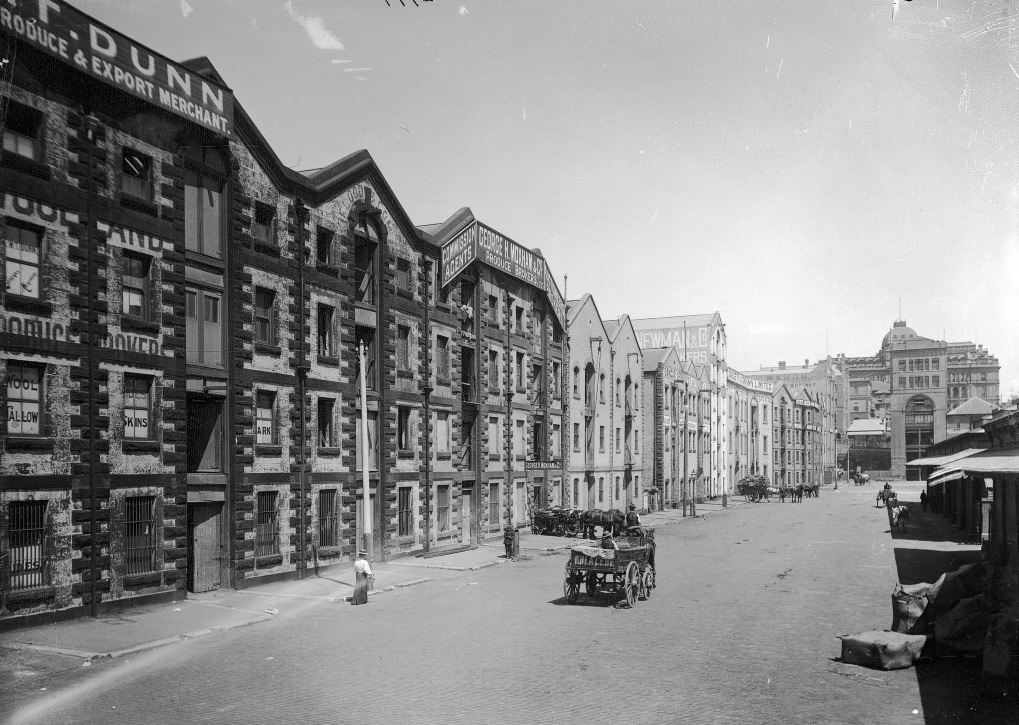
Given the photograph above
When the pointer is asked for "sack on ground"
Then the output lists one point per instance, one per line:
(909, 608)
(882, 650)
(964, 628)
(954, 586)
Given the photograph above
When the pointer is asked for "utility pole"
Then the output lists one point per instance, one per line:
(300, 213)
(366, 524)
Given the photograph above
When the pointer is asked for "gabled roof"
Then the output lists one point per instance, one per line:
(974, 406)
(653, 356)
(678, 320)
(315, 187)
(443, 231)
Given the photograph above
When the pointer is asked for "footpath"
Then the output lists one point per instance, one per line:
(136, 629)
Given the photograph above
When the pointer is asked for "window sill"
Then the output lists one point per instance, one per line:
(266, 249)
(137, 581)
(327, 269)
(28, 305)
(25, 165)
(264, 562)
(36, 594)
(27, 444)
(329, 552)
(274, 451)
(327, 451)
(405, 455)
(330, 360)
(136, 324)
(267, 349)
(134, 446)
(142, 205)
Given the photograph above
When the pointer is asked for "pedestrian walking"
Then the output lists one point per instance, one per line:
(923, 500)
(362, 574)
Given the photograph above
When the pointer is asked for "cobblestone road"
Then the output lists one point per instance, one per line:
(741, 629)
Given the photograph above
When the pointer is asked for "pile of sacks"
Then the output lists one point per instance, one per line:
(973, 610)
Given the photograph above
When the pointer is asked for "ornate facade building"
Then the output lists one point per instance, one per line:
(796, 432)
(918, 381)
(750, 415)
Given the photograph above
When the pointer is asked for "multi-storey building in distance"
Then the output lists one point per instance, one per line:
(750, 413)
(919, 381)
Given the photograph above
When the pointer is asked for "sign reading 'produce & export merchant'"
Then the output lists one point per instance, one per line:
(71, 36)
(478, 242)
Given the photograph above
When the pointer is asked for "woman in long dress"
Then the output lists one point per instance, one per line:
(362, 570)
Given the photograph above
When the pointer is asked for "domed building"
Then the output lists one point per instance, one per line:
(913, 382)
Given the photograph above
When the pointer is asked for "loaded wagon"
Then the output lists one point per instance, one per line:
(627, 571)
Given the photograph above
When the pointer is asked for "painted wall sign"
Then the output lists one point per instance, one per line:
(130, 239)
(97, 50)
(542, 465)
(34, 327)
(31, 210)
(479, 242)
(696, 343)
(130, 342)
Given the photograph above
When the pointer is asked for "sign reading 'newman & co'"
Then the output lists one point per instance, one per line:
(73, 37)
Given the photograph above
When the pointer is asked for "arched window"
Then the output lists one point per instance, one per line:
(589, 386)
(601, 388)
(576, 382)
(619, 392)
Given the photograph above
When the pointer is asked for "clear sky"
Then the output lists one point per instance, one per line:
(805, 167)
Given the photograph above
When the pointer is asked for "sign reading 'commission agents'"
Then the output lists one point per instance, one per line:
(479, 242)
(95, 49)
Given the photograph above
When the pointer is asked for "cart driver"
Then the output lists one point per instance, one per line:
(632, 519)
(607, 542)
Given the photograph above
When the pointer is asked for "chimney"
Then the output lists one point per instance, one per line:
(806, 362)
(781, 364)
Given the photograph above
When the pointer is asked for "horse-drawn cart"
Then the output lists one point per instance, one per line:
(754, 488)
(628, 570)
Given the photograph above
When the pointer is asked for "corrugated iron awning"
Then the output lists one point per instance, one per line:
(942, 460)
(993, 460)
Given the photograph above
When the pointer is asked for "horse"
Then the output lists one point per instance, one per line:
(797, 494)
(612, 520)
(886, 496)
(812, 490)
(900, 515)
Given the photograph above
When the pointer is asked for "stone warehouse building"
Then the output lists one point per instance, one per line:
(676, 415)
(796, 432)
(496, 321)
(606, 403)
(182, 330)
(750, 403)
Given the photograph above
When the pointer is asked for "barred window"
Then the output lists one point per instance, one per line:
(404, 512)
(402, 347)
(442, 508)
(327, 534)
(23, 260)
(266, 524)
(137, 407)
(140, 534)
(24, 399)
(27, 548)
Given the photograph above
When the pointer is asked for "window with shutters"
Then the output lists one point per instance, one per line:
(204, 328)
(204, 214)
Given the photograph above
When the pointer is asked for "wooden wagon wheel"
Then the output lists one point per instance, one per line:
(591, 583)
(631, 583)
(647, 583)
(571, 586)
